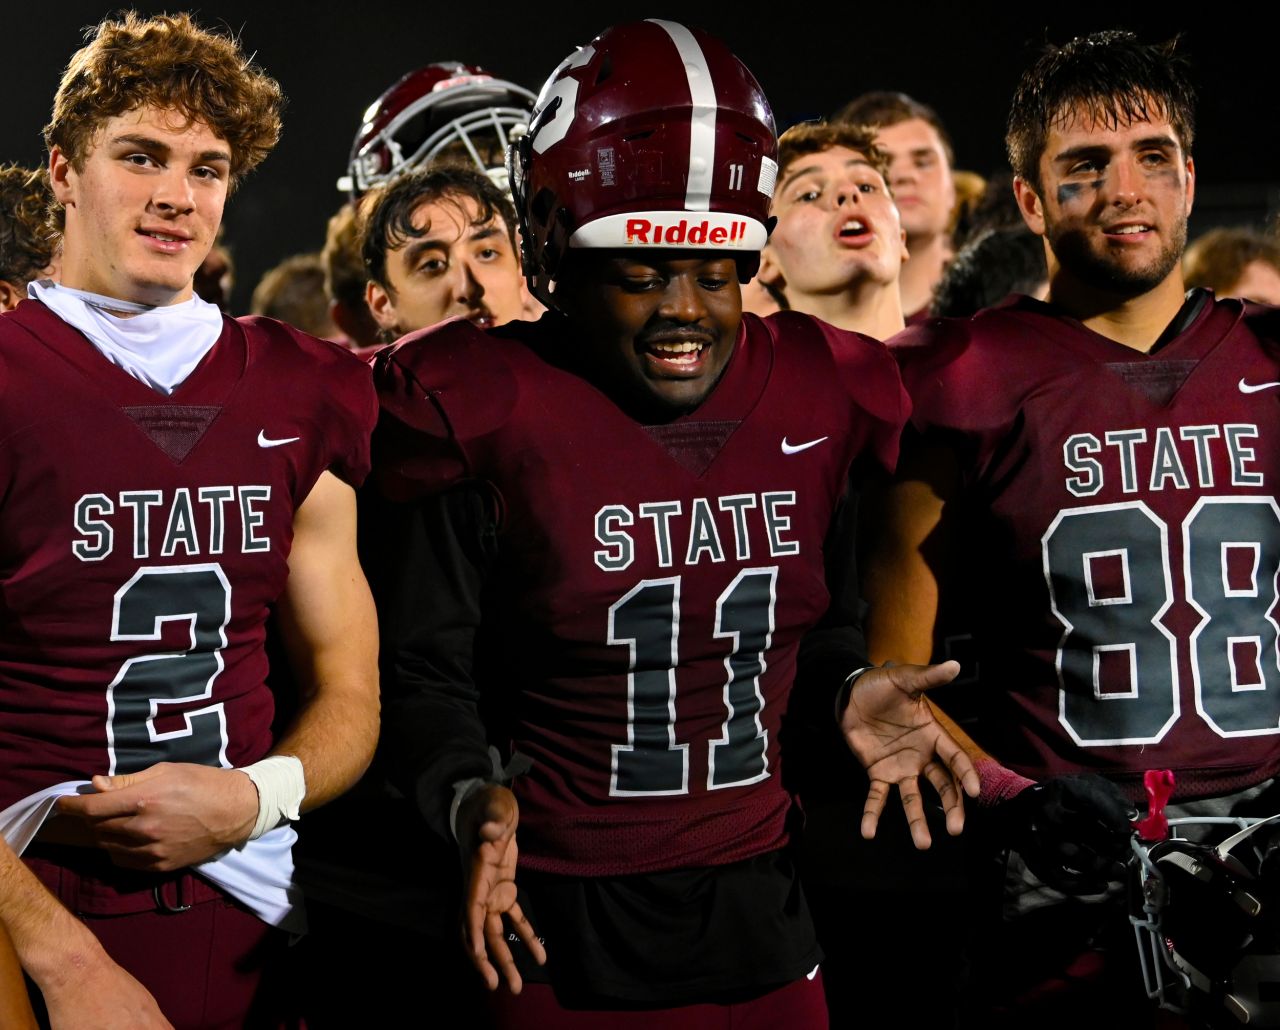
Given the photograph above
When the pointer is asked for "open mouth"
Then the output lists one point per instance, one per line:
(482, 319)
(678, 356)
(855, 231)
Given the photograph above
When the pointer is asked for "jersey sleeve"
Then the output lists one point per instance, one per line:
(341, 389)
(955, 401)
(440, 391)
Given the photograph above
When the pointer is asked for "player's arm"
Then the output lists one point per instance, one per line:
(173, 815)
(434, 737)
(82, 986)
(1069, 829)
(329, 627)
(881, 711)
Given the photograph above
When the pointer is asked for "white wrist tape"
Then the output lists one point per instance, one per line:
(281, 788)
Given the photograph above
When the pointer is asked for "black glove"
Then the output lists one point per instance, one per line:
(1072, 831)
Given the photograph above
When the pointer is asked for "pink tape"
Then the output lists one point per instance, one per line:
(998, 783)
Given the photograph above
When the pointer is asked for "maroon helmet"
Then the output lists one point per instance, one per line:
(652, 135)
(426, 111)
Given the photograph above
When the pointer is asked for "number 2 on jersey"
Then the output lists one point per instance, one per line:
(1231, 553)
(200, 596)
(647, 620)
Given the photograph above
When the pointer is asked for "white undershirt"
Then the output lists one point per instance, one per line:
(159, 346)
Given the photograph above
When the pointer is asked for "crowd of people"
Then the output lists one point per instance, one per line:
(529, 613)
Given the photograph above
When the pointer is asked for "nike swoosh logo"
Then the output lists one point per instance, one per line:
(263, 441)
(796, 448)
(1255, 387)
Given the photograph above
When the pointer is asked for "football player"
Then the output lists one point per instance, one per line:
(439, 243)
(837, 249)
(28, 246)
(1094, 476)
(169, 475)
(650, 511)
(923, 184)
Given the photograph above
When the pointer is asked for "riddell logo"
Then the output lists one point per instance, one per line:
(646, 232)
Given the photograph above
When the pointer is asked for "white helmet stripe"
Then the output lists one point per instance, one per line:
(702, 128)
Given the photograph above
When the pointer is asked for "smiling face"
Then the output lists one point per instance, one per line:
(458, 266)
(1113, 202)
(143, 211)
(836, 225)
(655, 328)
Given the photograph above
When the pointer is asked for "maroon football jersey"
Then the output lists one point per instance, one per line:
(143, 536)
(1118, 512)
(653, 583)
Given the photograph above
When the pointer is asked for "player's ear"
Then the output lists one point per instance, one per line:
(381, 305)
(1029, 204)
(61, 174)
(1191, 183)
(10, 294)
(770, 271)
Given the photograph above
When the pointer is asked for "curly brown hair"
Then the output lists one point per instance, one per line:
(166, 62)
(27, 245)
(816, 137)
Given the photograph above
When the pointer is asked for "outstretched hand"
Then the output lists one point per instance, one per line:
(487, 835)
(897, 737)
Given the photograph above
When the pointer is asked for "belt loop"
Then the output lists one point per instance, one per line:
(182, 894)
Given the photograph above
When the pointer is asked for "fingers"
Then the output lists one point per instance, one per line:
(915, 678)
(525, 931)
(951, 798)
(99, 806)
(959, 762)
(877, 793)
(495, 936)
(913, 806)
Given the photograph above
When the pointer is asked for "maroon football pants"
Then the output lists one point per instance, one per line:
(796, 1006)
(210, 963)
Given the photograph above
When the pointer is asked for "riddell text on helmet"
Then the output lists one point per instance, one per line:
(646, 232)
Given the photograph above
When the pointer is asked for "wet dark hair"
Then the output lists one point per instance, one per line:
(1108, 77)
(996, 264)
(386, 213)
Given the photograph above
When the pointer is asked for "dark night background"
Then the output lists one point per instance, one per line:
(333, 59)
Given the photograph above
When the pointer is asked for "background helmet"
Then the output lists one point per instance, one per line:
(652, 135)
(430, 110)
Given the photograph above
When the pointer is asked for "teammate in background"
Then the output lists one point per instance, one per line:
(1236, 262)
(988, 268)
(188, 472)
(442, 112)
(1093, 477)
(650, 510)
(920, 176)
(837, 250)
(28, 244)
(436, 243)
(345, 279)
(439, 243)
(293, 293)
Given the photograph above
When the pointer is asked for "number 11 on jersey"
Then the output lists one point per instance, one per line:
(647, 620)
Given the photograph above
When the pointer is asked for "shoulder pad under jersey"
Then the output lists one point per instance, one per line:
(450, 381)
